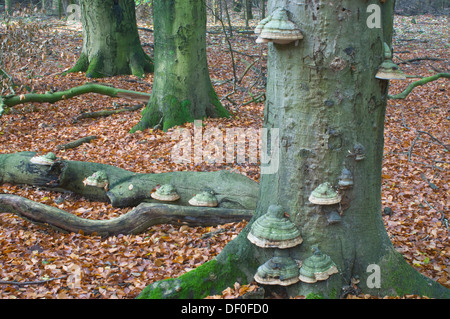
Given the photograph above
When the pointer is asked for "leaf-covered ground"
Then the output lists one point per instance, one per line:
(35, 52)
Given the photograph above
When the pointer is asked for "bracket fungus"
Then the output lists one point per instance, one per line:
(345, 179)
(205, 198)
(98, 179)
(324, 194)
(317, 267)
(333, 217)
(277, 28)
(165, 193)
(274, 230)
(47, 159)
(280, 270)
(388, 70)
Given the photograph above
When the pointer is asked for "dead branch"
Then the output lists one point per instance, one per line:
(24, 283)
(135, 221)
(76, 143)
(105, 113)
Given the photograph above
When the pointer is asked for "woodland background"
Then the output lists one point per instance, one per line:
(36, 49)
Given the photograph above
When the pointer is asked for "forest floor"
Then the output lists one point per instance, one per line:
(36, 51)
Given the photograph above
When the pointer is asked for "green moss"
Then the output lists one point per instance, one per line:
(94, 66)
(175, 113)
(314, 295)
(81, 65)
(210, 278)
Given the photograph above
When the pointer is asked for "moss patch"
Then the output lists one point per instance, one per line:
(208, 279)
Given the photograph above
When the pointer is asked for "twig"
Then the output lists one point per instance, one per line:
(420, 59)
(24, 283)
(249, 65)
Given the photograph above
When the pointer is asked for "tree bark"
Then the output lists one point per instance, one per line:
(136, 221)
(323, 97)
(111, 44)
(127, 189)
(182, 89)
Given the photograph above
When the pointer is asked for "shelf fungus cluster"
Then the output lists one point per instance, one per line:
(47, 159)
(388, 70)
(98, 179)
(277, 28)
(275, 230)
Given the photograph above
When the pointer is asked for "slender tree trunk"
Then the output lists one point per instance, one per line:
(8, 6)
(111, 44)
(182, 89)
(323, 97)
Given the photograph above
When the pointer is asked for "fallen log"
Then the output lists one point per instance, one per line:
(126, 188)
(136, 221)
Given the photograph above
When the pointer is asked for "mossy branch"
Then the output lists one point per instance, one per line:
(13, 100)
(423, 81)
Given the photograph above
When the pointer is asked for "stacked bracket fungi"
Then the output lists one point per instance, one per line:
(277, 28)
(275, 230)
(388, 70)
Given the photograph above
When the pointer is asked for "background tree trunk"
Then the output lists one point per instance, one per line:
(182, 89)
(111, 44)
(323, 97)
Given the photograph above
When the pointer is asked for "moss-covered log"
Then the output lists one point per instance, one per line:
(136, 221)
(127, 189)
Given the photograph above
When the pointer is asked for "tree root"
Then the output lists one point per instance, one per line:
(136, 221)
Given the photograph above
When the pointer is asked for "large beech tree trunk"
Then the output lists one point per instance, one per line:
(111, 44)
(182, 89)
(323, 97)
